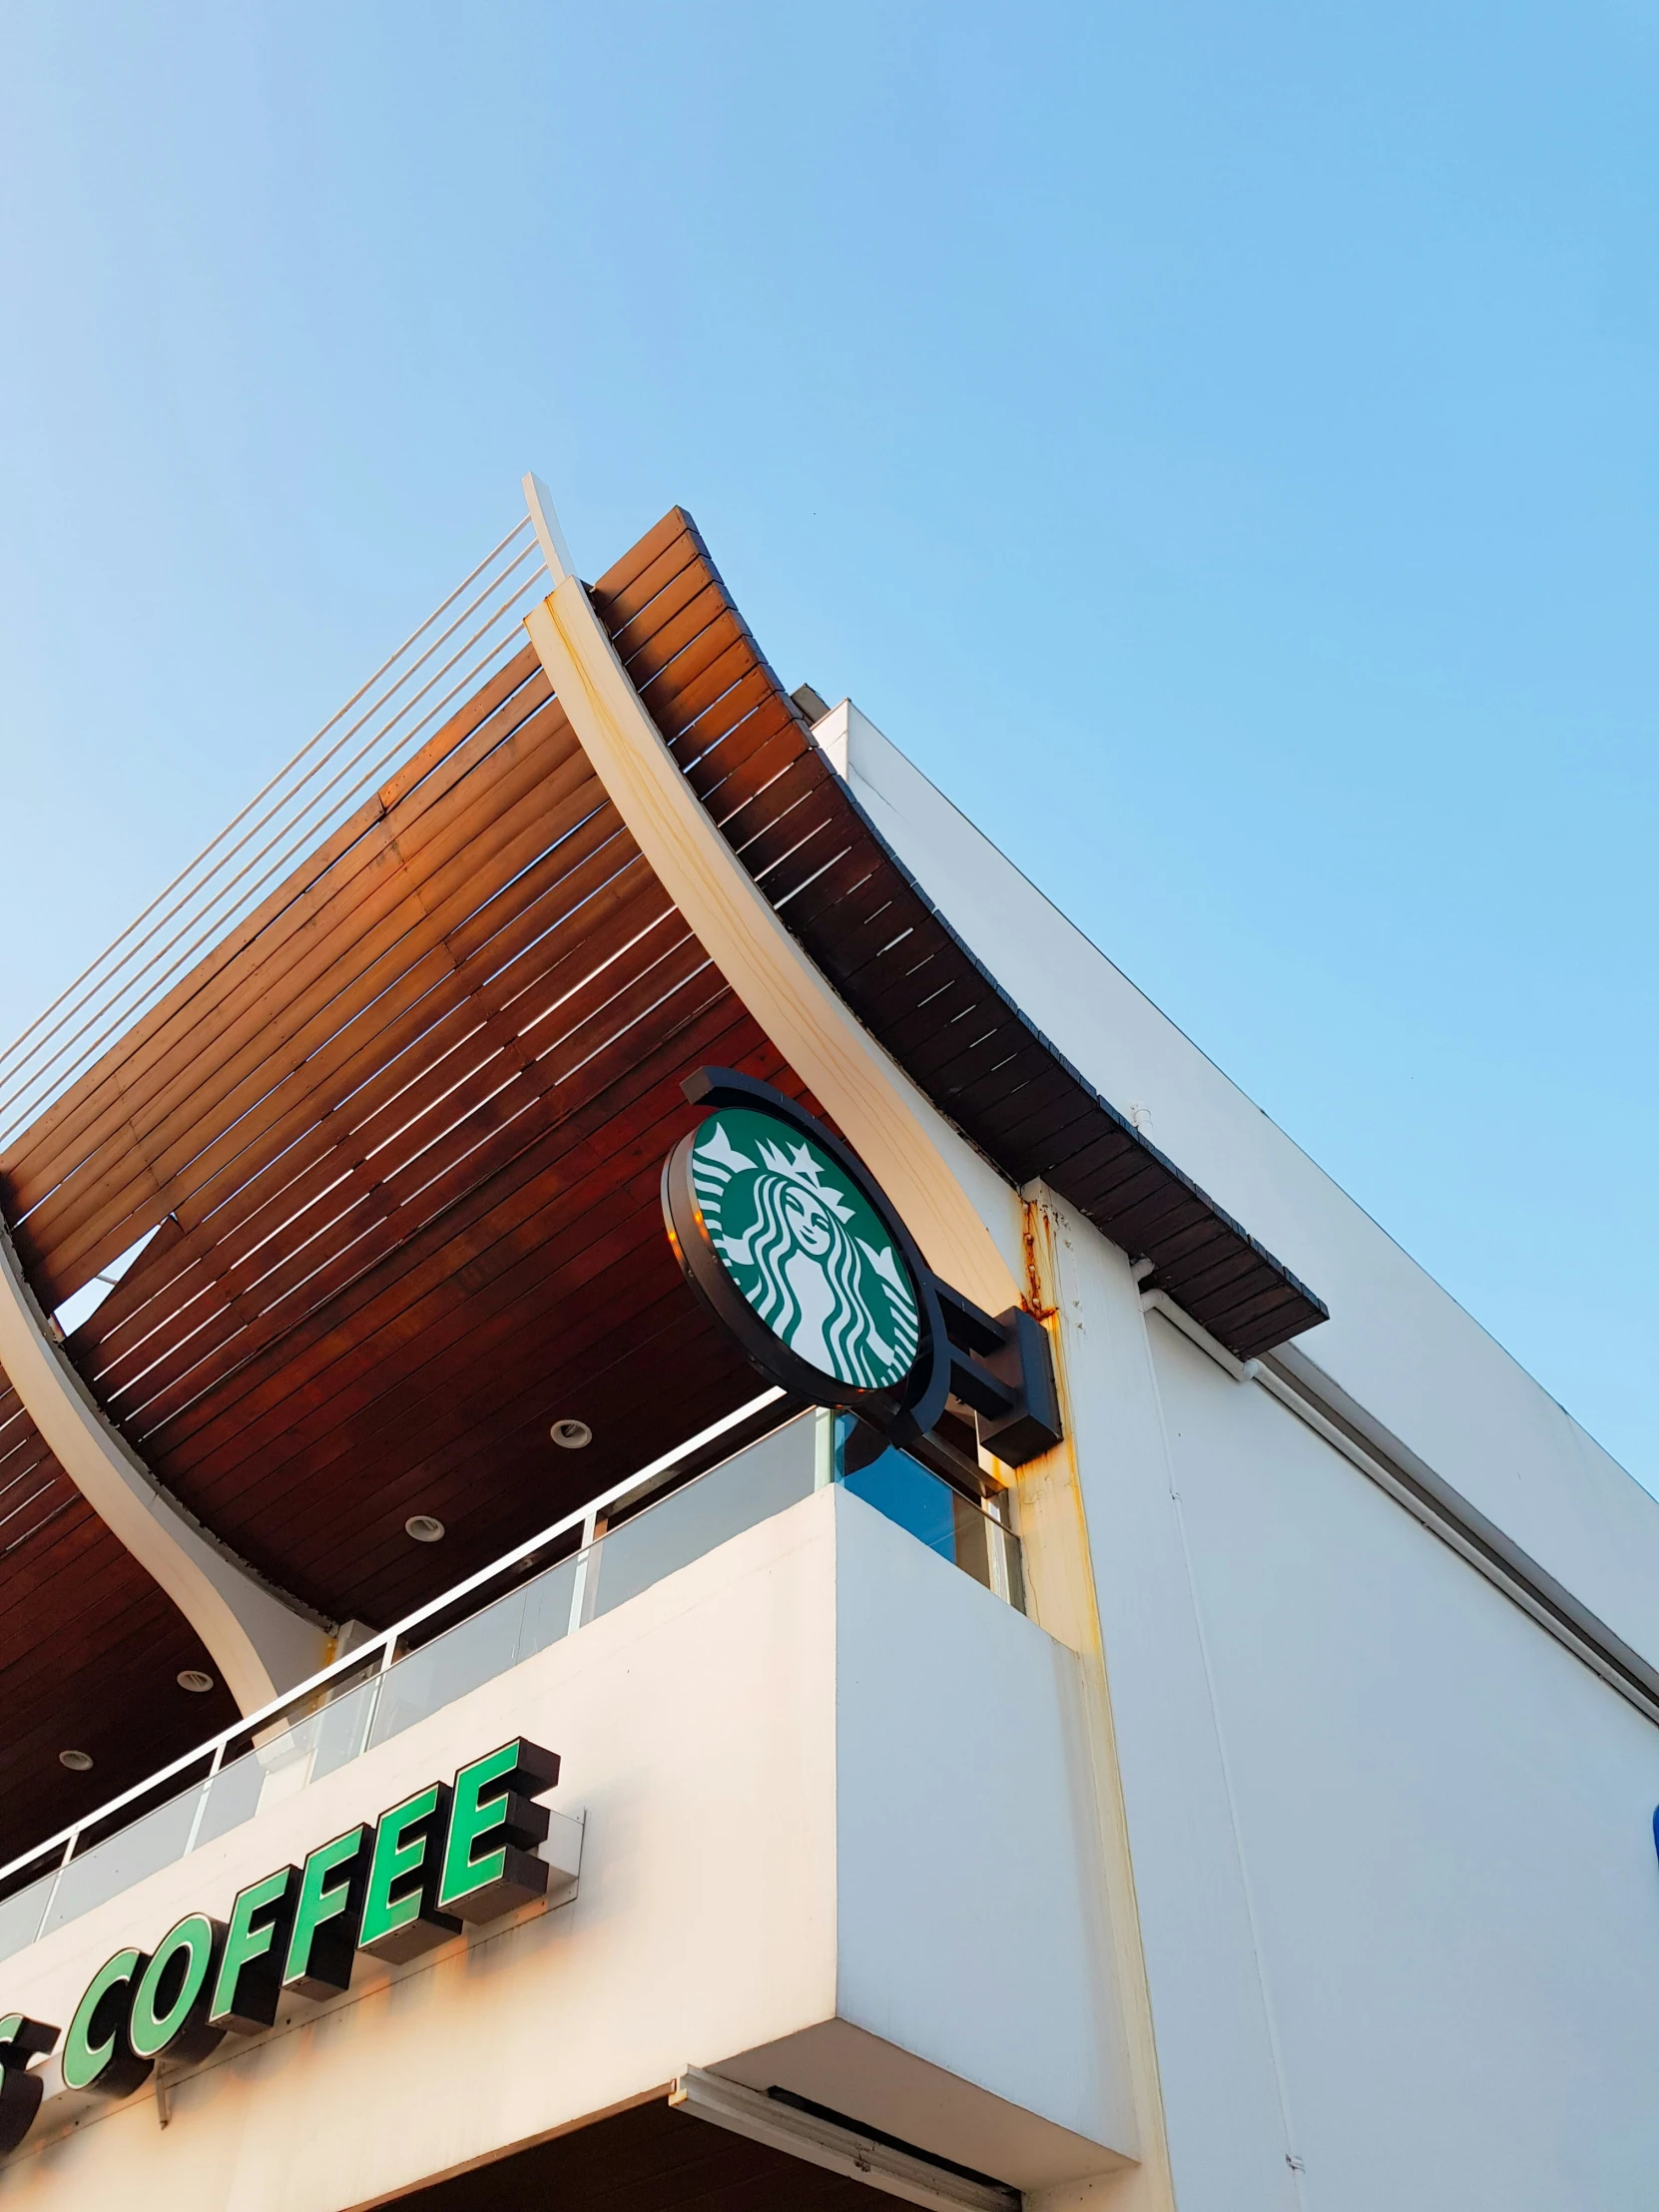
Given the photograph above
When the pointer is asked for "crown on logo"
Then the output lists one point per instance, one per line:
(799, 1165)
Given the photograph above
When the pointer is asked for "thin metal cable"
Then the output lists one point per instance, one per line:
(35, 1081)
(389, 738)
(104, 987)
(191, 866)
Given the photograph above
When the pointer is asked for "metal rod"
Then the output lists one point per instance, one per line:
(51, 1897)
(185, 872)
(383, 739)
(197, 1817)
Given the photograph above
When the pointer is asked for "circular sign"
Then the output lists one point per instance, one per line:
(801, 1258)
(805, 1249)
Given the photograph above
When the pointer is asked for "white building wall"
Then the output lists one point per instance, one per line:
(1393, 1845)
(806, 1761)
(1444, 1822)
(935, 1711)
(1395, 1342)
(1229, 2141)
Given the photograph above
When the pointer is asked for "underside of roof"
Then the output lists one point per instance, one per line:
(650, 2158)
(396, 1146)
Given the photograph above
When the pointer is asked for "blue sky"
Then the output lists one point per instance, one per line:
(1218, 443)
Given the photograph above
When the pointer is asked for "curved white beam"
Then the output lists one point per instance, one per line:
(549, 536)
(947, 1193)
(970, 1226)
(261, 1643)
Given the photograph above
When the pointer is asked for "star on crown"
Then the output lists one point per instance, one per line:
(799, 1165)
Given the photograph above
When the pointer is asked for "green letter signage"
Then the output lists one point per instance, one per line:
(493, 1828)
(394, 1891)
(21, 2039)
(170, 2005)
(250, 1976)
(96, 2052)
(325, 1920)
(400, 1912)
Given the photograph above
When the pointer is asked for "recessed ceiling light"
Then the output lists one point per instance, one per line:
(78, 1762)
(425, 1528)
(571, 1436)
(193, 1680)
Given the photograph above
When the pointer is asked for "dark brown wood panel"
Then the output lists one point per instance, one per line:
(89, 1654)
(650, 2159)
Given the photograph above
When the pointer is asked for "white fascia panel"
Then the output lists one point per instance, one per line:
(723, 1823)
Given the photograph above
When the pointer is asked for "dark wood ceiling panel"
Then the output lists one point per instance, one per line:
(90, 1655)
(650, 2159)
(872, 931)
(33, 1487)
(90, 1649)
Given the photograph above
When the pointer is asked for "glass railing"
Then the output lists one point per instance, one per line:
(968, 1531)
(636, 1537)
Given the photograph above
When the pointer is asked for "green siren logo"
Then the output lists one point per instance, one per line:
(798, 1253)
(807, 1248)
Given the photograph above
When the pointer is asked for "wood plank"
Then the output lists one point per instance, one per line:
(774, 766)
(624, 574)
(680, 608)
(451, 1251)
(540, 1347)
(295, 935)
(692, 612)
(523, 1300)
(628, 611)
(289, 1197)
(368, 1063)
(700, 676)
(413, 1076)
(701, 741)
(433, 1283)
(64, 1119)
(665, 1335)
(414, 929)
(421, 1417)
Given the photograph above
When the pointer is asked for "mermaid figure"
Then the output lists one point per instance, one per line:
(813, 1278)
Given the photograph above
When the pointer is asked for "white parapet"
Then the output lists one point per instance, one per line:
(836, 1838)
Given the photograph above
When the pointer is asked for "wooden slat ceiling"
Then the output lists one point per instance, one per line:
(59, 1563)
(650, 2159)
(847, 899)
(394, 1146)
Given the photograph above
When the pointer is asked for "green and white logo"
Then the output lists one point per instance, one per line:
(805, 1249)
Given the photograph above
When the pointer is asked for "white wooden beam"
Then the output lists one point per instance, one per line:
(946, 1192)
(260, 1640)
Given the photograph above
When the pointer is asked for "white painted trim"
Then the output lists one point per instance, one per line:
(1524, 1585)
(839, 2150)
(947, 1192)
(258, 1641)
(1289, 1375)
(544, 515)
(1159, 1302)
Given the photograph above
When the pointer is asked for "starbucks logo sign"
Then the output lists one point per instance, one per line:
(805, 1249)
(783, 1234)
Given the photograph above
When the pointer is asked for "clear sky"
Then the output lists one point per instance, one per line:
(1218, 442)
